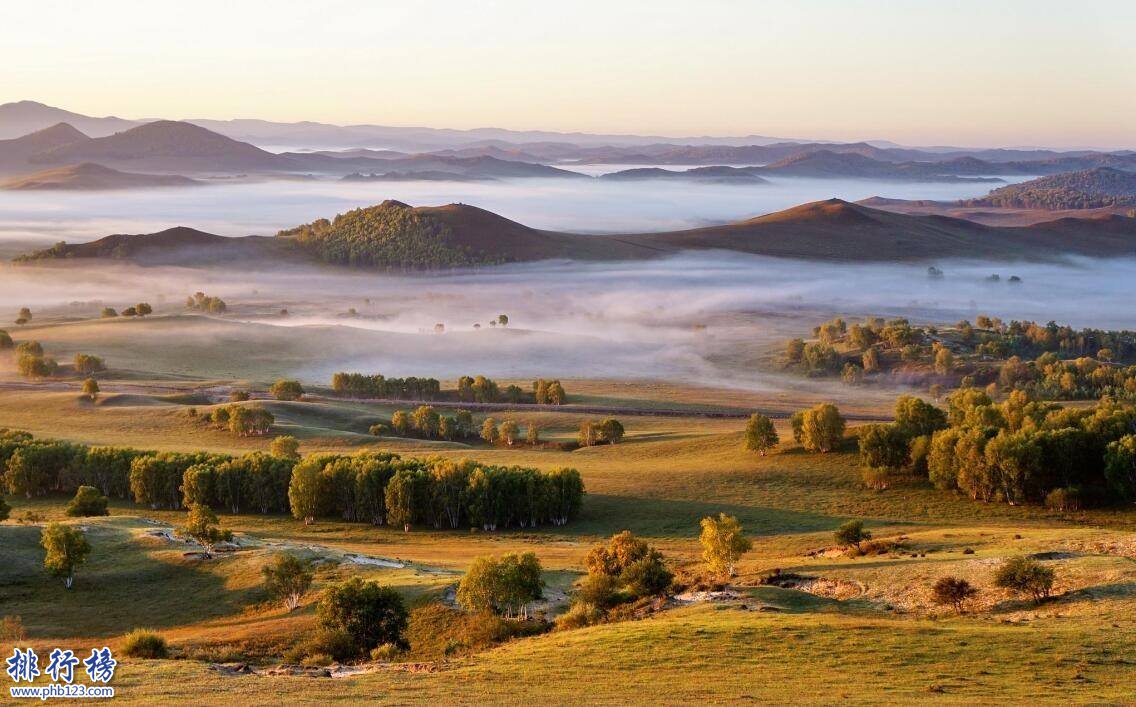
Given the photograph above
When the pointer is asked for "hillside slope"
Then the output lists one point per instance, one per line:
(16, 153)
(92, 177)
(837, 230)
(1087, 189)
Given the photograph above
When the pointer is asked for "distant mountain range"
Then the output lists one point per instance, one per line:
(396, 235)
(188, 149)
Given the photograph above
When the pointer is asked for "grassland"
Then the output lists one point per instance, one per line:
(865, 632)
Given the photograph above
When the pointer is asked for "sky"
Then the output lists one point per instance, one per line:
(967, 72)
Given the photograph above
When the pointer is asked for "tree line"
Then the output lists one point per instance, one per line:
(374, 487)
(470, 389)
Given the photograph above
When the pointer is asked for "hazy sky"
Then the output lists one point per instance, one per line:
(971, 72)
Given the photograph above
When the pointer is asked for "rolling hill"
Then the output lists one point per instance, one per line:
(165, 146)
(396, 235)
(92, 177)
(1087, 189)
(176, 245)
(16, 153)
(829, 164)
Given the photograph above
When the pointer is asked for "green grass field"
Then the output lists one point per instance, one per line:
(865, 630)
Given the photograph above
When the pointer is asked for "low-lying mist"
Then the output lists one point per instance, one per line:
(703, 318)
(241, 208)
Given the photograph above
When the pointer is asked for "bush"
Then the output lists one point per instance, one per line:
(87, 502)
(1025, 576)
(952, 591)
(287, 390)
(852, 533)
(332, 643)
(1064, 499)
(581, 614)
(368, 612)
(143, 643)
(386, 652)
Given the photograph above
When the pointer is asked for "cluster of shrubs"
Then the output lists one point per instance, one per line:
(425, 422)
(200, 302)
(142, 309)
(1050, 378)
(374, 487)
(593, 432)
(32, 362)
(1017, 451)
(622, 573)
(1050, 361)
(242, 420)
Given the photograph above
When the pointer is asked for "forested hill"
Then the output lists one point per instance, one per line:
(1087, 189)
(393, 235)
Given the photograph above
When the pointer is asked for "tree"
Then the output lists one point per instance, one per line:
(636, 566)
(489, 431)
(239, 395)
(91, 389)
(287, 578)
(5, 509)
(944, 361)
(503, 319)
(532, 435)
(143, 309)
(426, 421)
(306, 489)
(1120, 466)
(611, 430)
(285, 447)
(794, 350)
(250, 420)
(883, 448)
(201, 526)
(401, 423)
(852, 533)
(65, 549)
(504, 586)
(760, 435)
(508, 432)
(86, 364)
(130, 312)
(405, 498)
(108, 313)
(368, 612)
(1025, 576)
(25, 314)
(87, 502)
(722, 544)
(822, 428)
(916, 417)
(589, 433)
(952, 591)
(6, 340)
(287, 390)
